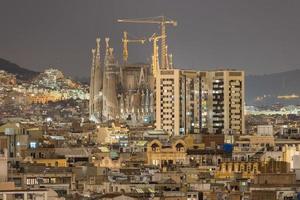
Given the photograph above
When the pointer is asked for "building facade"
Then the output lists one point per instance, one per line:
(179, 98)
(226, 99)
(119, 91)
(192, 102)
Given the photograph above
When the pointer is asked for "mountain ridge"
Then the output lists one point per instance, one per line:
(270, 86)
(20, 72)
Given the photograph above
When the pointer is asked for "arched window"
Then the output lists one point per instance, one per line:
(179, 147)
(154, 147)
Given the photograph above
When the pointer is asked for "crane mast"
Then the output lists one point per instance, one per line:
(163, 44)
(125, 41)
(125, 47)
(162, 21)
(155, 63)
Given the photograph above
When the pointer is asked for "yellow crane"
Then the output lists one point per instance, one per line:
(155, 63)
(125, 41)
(162, 21)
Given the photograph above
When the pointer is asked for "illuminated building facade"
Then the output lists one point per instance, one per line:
(244, 169)
(95, 108)
(179, 101)
(121, 92)
(164, 155)
(190, 102)
(226, 101)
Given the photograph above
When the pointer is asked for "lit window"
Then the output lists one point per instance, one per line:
(33, 145)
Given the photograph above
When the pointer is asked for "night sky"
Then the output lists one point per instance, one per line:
(259, 36)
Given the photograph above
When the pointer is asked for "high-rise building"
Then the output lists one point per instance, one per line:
(225, 101)
(178, 101)
(192, 102)
(167, 101)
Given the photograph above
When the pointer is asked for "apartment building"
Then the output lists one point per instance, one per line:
(193, 102)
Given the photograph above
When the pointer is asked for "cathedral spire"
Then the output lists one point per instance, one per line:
(93, 58)
(111, 51)
(91, 102)
(97, 61)
(98, 46)
(107, 45)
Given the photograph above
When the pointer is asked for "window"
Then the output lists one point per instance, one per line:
(31, 181)
(32, 145)
(52, 180)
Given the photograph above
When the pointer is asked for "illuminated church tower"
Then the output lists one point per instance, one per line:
(96, 85)
(119, 92)
(110, 80)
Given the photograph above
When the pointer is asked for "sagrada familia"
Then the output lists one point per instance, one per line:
(119, 91)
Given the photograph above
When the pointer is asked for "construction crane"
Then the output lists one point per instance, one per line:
(163, 21)
(125, 41)
(155, 63)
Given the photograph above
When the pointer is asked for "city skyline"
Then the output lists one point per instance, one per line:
(258, 37)
(169, 111)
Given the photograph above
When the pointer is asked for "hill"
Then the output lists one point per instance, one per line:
(21, 73)
(265, 89)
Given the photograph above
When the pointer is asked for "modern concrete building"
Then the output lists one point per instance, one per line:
(226, 99)
(178, 101)
(189, 102)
